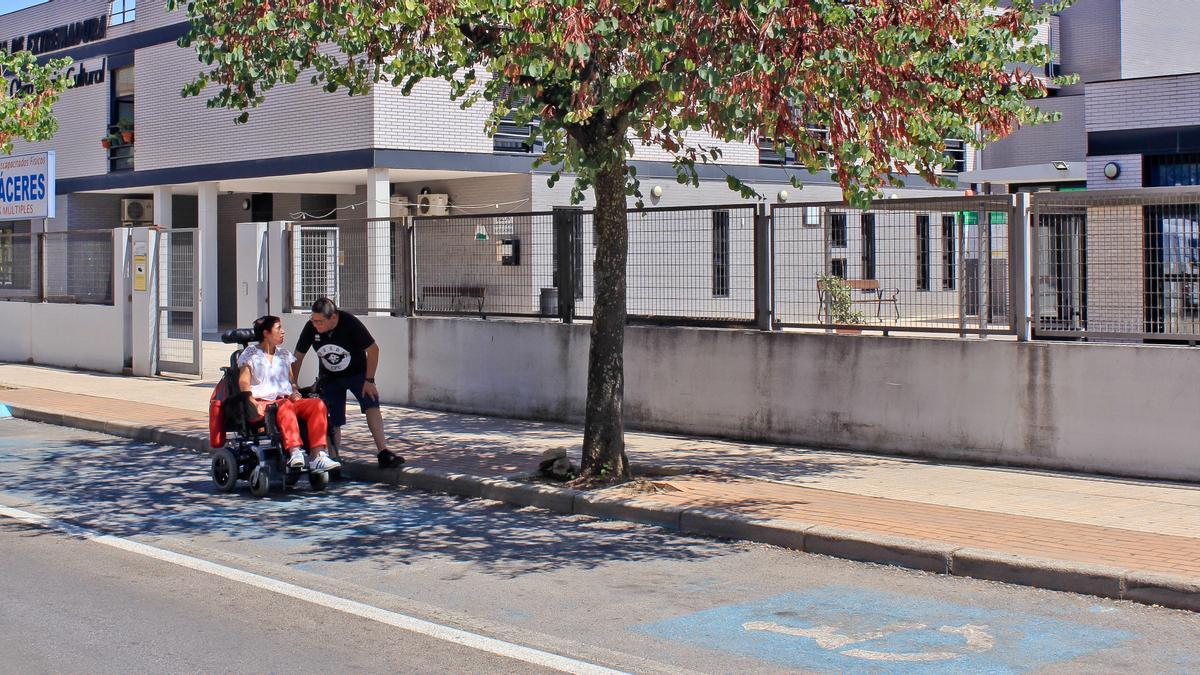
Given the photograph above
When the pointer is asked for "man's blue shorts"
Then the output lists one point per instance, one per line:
(333, 392)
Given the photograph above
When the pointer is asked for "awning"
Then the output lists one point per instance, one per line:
(1046, 172)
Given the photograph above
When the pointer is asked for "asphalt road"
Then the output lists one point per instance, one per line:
(138, 565)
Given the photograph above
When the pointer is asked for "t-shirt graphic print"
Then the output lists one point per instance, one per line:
(334, 358)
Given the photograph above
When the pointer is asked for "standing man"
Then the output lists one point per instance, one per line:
(348, 359)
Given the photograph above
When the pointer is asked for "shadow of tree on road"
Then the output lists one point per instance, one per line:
(134, 489)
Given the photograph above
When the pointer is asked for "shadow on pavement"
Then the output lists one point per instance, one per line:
(132, 489)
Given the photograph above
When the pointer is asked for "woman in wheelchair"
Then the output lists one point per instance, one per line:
(265, 372)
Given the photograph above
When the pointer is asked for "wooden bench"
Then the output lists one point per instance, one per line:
(449, 298)
(878, 295)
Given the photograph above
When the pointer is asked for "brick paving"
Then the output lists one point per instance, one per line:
(1136, 525)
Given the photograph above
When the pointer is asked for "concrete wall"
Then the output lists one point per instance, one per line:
(54, 335)
(1120, 409)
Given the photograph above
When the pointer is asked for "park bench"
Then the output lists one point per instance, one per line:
(878, 295)
(451, 298)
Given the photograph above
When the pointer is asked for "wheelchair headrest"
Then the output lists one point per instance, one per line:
(241, 336)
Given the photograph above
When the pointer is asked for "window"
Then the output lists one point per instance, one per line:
(1171, 170)
(837, 267)
(122, 11)
(120, 153)
(868, 246)
(923, 271)
(949, 253)
(837, 230)
(720, 254)
(956, 151)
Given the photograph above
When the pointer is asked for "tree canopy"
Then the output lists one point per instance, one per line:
(887, 80)
(28, 98)
(868, 88)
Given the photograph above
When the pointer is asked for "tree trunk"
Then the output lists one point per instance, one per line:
(604, 424)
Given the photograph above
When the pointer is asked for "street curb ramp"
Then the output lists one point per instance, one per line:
(930, 556)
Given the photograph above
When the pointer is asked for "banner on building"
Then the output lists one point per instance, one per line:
(27, 186)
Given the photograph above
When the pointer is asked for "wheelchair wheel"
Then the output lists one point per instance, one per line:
(224, 470)
(260, 481)
(318, 481)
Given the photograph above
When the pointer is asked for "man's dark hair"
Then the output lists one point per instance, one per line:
(325, 307)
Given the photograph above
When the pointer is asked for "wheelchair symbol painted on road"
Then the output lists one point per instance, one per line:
(844, 629)
(976, 640)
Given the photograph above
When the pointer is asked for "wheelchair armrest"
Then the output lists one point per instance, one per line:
(269, 420)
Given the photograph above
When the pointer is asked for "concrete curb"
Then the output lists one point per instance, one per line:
(931, 556)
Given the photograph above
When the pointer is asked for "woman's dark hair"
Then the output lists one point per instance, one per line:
(325, 307)
(264, 325)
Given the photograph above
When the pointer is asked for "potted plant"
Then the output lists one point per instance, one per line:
(109, 140)
(839, 298)
(125, 124)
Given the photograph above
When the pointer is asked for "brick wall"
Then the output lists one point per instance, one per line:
(1064, 140)
(296, 119)
(1115, 269)
(1090, 41)
(83, 120)
(1159, 37)
(1131, 172)
(427, 119)
(1144, 103)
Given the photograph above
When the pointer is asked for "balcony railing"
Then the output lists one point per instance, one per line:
(120, 153)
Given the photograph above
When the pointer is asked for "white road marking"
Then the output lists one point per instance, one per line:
(355, 608)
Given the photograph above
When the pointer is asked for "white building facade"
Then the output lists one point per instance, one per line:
(170, 161)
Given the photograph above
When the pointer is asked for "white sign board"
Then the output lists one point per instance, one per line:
(27, 186)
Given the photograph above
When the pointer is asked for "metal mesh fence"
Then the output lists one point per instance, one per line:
(79, 266)
(1117, 264)
(19, 265)
(690, 264)
(485, 265)
(178, 301)
(930, 264)
(355, 262)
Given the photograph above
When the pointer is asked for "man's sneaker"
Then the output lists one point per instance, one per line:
(389, 459)
(322, 464)
(296, 461)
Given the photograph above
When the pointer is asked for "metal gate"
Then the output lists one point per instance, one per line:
(179, 339)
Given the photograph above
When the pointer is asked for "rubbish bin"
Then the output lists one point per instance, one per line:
(549, 302)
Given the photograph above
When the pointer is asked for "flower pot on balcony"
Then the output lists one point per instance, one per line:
(106, 142)
(126, 136)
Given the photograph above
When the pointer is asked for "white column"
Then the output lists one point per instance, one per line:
(162, 206)
(379, 248)
(143, 327)
(206, 222)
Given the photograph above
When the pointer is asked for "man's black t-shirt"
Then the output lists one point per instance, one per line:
(342, 351)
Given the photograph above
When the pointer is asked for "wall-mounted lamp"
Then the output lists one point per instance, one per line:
(656, 191)
(1112, 170)
(1060, 165)
(246, 204)
(782, 196)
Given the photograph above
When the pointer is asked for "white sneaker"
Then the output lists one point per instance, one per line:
(322, 464)
(296, 461)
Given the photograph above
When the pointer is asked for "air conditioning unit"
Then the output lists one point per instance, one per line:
(137, 210)
(400, 207)
(433, 204)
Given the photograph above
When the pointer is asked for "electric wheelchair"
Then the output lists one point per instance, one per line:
(246, 446)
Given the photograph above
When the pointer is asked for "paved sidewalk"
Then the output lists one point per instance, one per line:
(963, 518)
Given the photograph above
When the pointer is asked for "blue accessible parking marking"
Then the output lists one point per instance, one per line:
(848, 629)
